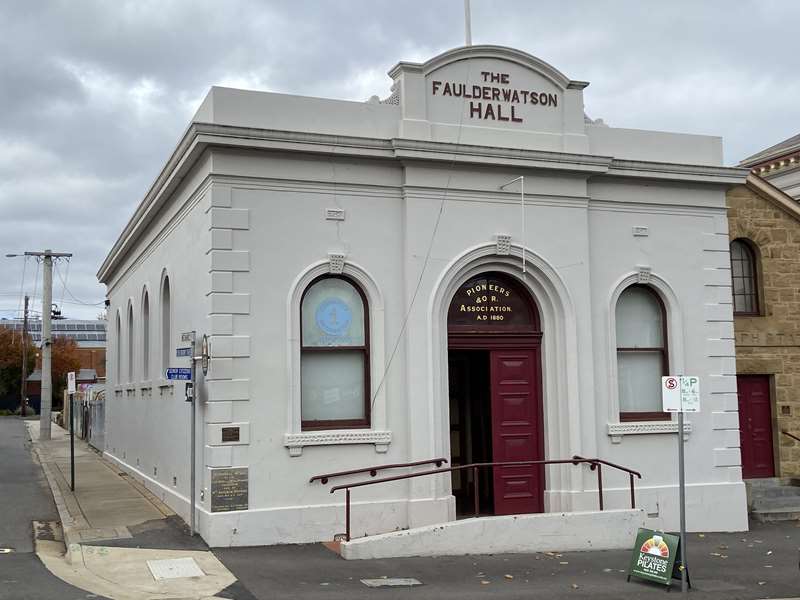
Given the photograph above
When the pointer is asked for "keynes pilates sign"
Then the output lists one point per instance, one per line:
(495, 98)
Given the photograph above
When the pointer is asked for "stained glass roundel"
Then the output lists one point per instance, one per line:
(333, 314)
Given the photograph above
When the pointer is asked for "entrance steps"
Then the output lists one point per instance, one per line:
(544, 532)
(774, 499)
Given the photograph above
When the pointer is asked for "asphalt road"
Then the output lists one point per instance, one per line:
(25, 497)
(762, 563)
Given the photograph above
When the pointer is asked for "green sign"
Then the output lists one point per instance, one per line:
(654, 555)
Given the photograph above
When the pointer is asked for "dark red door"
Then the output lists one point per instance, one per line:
(755, 426)
(516, 431)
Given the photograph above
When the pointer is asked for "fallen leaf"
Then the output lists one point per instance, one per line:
(722, 547)
(701, 535)
(484, 582)
(607, 570)
(714, 554)
(563, 562)
(575, 586)
(769, 552)
(507, 576)
(767, 566)
(762, 583)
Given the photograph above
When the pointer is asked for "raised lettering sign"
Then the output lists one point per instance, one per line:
(229, 489)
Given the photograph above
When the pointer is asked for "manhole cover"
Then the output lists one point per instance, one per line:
(174, 568)
(391, 582)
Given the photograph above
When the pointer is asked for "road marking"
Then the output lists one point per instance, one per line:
(391, 582)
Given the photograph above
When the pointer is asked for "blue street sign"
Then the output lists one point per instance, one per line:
(180, 373)
(183, 352)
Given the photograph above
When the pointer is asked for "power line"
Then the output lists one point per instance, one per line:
(71, 295)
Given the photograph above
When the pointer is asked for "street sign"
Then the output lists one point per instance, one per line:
(680, 393)
(654, 556)
(179, 352)
(71, 382)
(187, 336)
(180, 374)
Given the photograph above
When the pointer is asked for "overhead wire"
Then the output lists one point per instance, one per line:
(427, 253)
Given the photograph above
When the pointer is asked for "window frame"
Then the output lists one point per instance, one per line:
(366, 421)
(628, 416)
(752, 255)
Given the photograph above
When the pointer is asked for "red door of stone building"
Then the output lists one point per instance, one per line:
(755, 426)
(516, 410)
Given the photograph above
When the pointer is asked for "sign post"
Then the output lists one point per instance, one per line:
(71, 392)
(189, 336)
(681, 394)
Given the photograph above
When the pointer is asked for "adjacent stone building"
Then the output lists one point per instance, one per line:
(764, 229)
(779, 165)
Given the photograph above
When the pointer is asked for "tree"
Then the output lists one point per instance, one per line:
(11, 362)
(65, 359)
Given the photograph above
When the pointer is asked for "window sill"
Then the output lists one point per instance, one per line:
(295, 442)
(617, 430)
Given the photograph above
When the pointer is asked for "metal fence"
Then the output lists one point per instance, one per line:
(90, 415)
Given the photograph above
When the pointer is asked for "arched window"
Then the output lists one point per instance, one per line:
(118, 363)
(166, 326)
(130, 344)
(146, 336)
(744, 278)
(334, 355)
(641, 353)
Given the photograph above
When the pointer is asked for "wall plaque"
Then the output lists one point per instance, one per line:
(230, 434)
(229, 489)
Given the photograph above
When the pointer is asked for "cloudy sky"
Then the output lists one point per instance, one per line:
(95, 94)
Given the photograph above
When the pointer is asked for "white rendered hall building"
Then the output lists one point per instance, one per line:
(377, 289)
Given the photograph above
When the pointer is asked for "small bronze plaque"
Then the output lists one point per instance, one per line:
(229, 489)
(230, 434)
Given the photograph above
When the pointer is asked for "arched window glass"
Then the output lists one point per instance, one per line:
(118, 363)
(744, 278)
(146, 336)
(334, 355)
(166, 326)
(641, 353)
(130, 344)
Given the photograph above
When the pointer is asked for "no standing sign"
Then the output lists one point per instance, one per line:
(680, 393)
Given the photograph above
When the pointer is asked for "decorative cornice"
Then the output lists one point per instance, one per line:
(296, 441)
(617, 430)
(661, 170)
(489, 51)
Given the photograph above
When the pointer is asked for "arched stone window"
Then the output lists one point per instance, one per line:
(744, 278)
(166, 325)
(146, 336)
(334, 355)
(641, 328)
(118, 349)
(130, 345)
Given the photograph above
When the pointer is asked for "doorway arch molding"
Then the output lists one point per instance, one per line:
(563, 413)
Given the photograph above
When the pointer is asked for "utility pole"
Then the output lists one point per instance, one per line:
(23, 389)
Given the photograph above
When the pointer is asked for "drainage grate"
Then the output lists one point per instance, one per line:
(174, 568)
(391, 582)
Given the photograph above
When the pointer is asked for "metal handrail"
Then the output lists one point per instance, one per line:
(373, 471)
(594, 463)
(791, 435)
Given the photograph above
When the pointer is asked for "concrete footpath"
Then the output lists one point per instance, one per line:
(116, 539)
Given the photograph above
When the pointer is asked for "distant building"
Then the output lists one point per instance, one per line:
(779, 165)
(89, 335)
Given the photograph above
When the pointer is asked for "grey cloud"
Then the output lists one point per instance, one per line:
(94, 94)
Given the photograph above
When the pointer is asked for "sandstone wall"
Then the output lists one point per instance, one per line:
(770, 344)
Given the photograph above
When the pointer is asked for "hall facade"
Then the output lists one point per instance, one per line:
(469, 275)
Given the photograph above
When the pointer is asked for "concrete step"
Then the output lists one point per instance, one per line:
(775, 503)
(787, 491)
(768, 482)
(777, 514)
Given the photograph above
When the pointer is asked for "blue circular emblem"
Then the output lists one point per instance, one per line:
(334, 316)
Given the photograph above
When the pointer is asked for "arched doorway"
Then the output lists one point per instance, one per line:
(494, 365)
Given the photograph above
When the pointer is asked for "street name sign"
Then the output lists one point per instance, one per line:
(680, 393)
(180, 374)
(179, 352)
